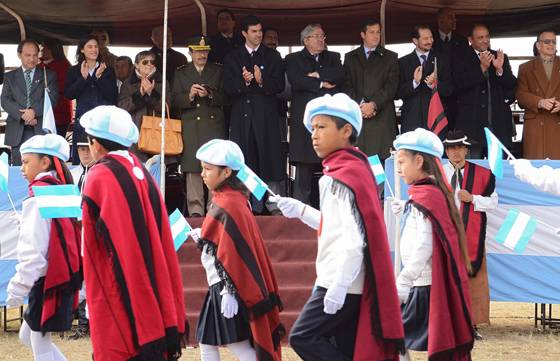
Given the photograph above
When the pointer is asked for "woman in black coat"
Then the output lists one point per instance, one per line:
(91, 83)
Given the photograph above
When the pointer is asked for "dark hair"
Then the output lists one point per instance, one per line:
(443, 10)
(370, 22)
(341, 123)
(270, 29)
(545, 31)
(143, 54)
(249, 20)
(478, 25)
(55, 46)
(415, 34)
(80, 57)
(126, 58)
(26, 41)
(109, 145)
(431, 167)
(65, 171)
(234, 183)
(535, 49)
(227, 11)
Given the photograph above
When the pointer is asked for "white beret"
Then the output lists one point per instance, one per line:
(420, 140)
(221, 152)
(111, 123)
(339, 105)
(51, 144)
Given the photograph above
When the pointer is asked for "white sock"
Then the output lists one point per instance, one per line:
(25, 334)
(243, 351)
(405, 357)
(209, 352)
(44, 349)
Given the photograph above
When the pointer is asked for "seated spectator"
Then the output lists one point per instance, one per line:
(141, 93)
(52, 57)
(91, 82)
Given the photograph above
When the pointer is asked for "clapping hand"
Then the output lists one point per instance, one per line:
(247, 76)
(258, 74)
(498, 61)
(100, 70)
(84, 70)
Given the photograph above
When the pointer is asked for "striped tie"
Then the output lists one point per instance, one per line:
(28, 87)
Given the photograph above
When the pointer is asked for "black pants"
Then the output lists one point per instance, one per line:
(28, 132)
(319, 336)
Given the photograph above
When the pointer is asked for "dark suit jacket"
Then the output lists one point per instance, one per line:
(222, 46)
(254, 123)
(456, 42)
(414, 111)
(471, 87)
(375, 79)
(174, 60)
(305, 88)
(14, 98)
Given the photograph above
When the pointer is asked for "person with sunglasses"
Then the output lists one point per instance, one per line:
(539, 94)
(141, 93)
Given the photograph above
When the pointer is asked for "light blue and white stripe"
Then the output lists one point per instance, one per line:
(516, 231)
(377, 169)
(495, 159)
(4, 172)
(180, 228)
(252, 182)
(58, 201)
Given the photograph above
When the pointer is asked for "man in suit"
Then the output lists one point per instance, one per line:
(372, 78)
(23, 97)
(174, 58)
(312, 72)
(418, 79)
(225, 40)
(448, 41)
(197, 95)
(538, 92)
(484, 85)
(253, 75)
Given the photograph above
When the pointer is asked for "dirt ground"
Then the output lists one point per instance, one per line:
(510, 337)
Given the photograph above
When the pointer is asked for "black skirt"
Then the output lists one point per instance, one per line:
(416, 313)
(213, 328)
(62, 319)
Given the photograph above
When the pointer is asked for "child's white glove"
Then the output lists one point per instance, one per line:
(229, 305)
(290, 207)
(334, 299)
(195, 234)
(397, 205)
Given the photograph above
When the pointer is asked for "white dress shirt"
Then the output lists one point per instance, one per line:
(481, 203)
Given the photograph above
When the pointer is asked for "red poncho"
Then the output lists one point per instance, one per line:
(380, 330)
(450, 328)
(133, 283)
(231, 230)
(64, 270)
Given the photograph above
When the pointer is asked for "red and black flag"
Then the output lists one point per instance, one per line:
(437, 120)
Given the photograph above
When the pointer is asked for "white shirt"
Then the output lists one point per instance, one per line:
(442, 35)
(250, 50)
(209, 264)
(32, 247)
(341, 244)
(481, 203)
(416, 252)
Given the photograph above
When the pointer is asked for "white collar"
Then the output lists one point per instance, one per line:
(123, 153)
(250, 50)
(443, 35)
(52, 173)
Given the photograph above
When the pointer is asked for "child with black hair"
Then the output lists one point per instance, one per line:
(354, 300)
(433, 284)
(49, 264)
(242, 303)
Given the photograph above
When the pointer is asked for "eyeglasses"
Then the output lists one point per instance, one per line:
(148, 61)
(548, 41)
(317, 36)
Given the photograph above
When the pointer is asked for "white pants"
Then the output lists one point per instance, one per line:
(242, 350)
(42, 346)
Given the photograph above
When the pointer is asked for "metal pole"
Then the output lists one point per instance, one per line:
(397, 241)
(163, 100)
(202, 16)
(19, 20)
(382, 20)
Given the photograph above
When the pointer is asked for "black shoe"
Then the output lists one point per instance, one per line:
(478, 336)
(81, 332)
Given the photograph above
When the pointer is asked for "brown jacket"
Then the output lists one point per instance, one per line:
(541, 129)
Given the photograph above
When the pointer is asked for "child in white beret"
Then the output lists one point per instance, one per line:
(355, 290)
(433, 284)
(242, 303)
(49, 265)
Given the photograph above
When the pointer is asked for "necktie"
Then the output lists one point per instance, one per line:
(369, 53)
(423, 57)
(457, 177)
(446, 39)
(28, 87)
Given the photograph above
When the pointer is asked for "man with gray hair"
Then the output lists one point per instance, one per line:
(312, 72)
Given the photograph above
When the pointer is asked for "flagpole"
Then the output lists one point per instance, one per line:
(11, 201)
(163, 100)
(390, 189)
(397, 240)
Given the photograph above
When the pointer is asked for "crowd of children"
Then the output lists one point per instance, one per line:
(358, 310)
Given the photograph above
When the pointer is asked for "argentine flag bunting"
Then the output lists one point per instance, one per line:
(495, 158)
(252, 182)
(180, 228)
(377, 169)
(63, 201)
(4, 171)
(49, 124)
(517, 229)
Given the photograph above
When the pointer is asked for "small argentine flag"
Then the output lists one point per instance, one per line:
(49, 124)
(252, 182)
(517, 229)
(4, 172)
(180, 228)
(63, 201)
(377, 169)
(495, 148)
